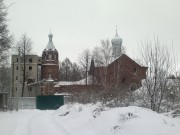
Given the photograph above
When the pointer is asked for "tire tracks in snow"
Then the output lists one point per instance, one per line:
(44, 124)
(59, 125)
(23, 124)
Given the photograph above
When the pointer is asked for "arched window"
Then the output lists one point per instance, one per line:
(50, 57)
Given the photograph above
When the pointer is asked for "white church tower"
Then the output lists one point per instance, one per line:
(116, 45)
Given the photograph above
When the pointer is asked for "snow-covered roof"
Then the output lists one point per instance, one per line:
(80, 82)
(50, 44)
(63, 93)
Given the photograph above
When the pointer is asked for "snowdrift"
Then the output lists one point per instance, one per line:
(91, 119)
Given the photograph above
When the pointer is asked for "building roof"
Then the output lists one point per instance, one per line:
(80, 82)
(127, 58)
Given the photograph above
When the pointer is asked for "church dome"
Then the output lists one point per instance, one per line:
(50, 45)
(116, 39)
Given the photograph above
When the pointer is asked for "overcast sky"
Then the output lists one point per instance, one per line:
(80, 24)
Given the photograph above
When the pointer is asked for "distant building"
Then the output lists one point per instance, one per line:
(123, 73)
(50, 68)
(50, 62)
(33, 65)
(43, 73)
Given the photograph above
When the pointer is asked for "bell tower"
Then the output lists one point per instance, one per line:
(50, 62)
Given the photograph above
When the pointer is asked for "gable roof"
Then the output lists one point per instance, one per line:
(124, 56)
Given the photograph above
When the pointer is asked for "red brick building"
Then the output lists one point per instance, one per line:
(122, 72)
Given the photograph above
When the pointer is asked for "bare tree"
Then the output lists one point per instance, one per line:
(97, 56)
(70, 71)
(172, 101)
(159, 61)
(84, 61)
(76, 72)
(5, 38)
(25, 45)
(102, 55)
(65, 69)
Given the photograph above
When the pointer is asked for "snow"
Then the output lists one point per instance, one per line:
(78, 119)
(63, 93)
(80, 82)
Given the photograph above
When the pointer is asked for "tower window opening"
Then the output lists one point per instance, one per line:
(30, 67)
(50, 56)
(123, 80)
(30, 60)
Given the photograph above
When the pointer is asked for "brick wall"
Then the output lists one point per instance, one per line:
(50, 65)
(123, 72)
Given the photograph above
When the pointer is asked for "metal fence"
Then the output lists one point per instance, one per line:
(50, 102)
(22, 102)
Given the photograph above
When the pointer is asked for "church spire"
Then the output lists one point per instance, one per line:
(116, 32)
(50, 36)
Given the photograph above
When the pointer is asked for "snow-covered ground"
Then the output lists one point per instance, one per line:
(78, 119)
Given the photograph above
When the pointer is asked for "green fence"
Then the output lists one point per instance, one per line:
(50, 102)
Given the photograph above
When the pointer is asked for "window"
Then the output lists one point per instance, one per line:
(54, 57)
(30, 67)
(16, 77)
(123, 80)
(30, 60)
(135, 70)
(16, 67)
(16, 59)
(30, 89)
(50, 56)
(133, 86)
